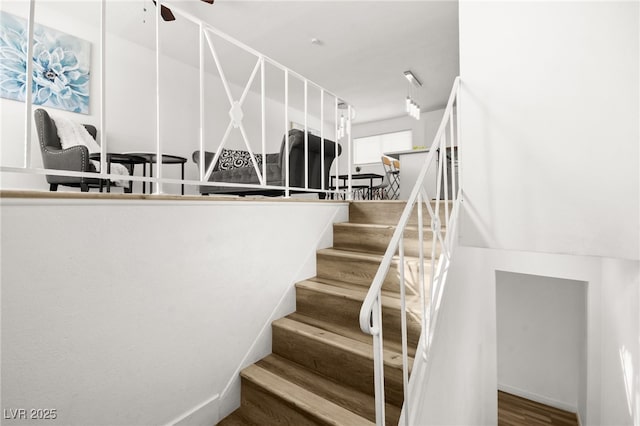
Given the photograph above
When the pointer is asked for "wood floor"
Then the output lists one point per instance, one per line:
(516, 411)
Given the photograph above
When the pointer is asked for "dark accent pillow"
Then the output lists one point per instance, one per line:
(234, 159)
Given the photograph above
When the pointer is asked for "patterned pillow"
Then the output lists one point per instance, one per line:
(233, 159)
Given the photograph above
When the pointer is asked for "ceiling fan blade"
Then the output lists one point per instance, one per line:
(165, 12)
(208, 1)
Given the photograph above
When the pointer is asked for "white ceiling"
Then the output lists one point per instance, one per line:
(366, 45)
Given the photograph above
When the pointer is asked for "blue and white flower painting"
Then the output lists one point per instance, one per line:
(61, 64)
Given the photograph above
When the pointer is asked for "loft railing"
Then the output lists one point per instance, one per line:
(447, 141)
(341, 128)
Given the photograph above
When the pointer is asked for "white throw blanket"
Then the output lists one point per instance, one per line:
(72, 134)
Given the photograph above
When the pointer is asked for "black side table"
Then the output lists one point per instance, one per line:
(358, 176)
(151, 159)
(129, 160)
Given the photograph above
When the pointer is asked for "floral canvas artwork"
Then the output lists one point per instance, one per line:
(61, 64)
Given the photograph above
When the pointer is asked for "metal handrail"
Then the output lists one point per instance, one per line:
(370, 313)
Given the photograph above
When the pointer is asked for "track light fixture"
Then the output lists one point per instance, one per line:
(412, 78)
(411, 106)
(342, 106)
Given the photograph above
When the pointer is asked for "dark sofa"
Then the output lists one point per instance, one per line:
(227, 169)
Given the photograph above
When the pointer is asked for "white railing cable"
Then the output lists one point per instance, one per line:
(439, 178)
(370, 318)
(445, 178)
(350, 154)
(403, 328)
(453, 154)
(201, 95)
(287, 192)
(103, 87)
(378, 352)
(223, 77)
(336, 138)
(306, 134)
(423, 298)
(322, 138)
(28, 102)
(158, 138)
(263, 118)
(335, 149)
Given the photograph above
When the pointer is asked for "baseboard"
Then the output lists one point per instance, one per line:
(206, 413)
(538, 398)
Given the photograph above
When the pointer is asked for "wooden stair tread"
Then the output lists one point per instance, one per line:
(391, 345)
(352, 399)
(394, 203)
(351, 254)
(361, 268)
(381, 226)
(352, 292)
(389, 212)
(391, 294)
(364, 256)
(301, 398)
(375, 238)
(392, 359)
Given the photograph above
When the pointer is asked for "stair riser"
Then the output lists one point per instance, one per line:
(349, 368)
(345, 312)
(361, 272)
(353, 402)
(376, 240)
(263, 407)
(388, 213)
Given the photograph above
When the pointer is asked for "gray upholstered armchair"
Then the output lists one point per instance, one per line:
(54, 157)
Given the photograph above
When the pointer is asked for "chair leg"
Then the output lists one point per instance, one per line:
(53, 187)
(84, 187)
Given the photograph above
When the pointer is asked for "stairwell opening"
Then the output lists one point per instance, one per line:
(541, 326)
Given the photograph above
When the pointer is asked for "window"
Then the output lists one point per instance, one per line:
(369, 149)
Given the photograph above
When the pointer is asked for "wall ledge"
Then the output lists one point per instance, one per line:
(16, 194)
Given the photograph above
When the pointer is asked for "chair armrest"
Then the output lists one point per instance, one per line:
(75, 158)
(208, 158)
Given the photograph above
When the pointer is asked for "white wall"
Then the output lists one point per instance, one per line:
(131, 108)
(541, 332)
(550, 107)
(550, 165)
(464, 371)
(459, 388)
(135, 313)
(620, 342)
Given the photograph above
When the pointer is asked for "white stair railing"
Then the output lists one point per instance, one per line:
(447, 141)
(208, 36)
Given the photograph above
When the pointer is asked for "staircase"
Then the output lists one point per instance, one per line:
(321, 368)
